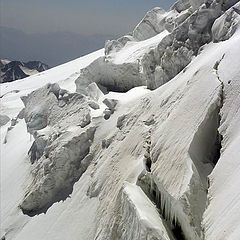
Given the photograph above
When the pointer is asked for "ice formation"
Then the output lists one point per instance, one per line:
(60, 154)
(144, 146)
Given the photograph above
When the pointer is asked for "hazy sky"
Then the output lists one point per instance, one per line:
(80, 16)
(56, 31)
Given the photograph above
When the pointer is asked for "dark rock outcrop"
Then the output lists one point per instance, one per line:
(14, 70)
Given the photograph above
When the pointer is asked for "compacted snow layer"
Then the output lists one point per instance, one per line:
(222, 217)
(151, 151)
(134, 51)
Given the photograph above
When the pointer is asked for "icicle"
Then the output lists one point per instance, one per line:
(157, 197)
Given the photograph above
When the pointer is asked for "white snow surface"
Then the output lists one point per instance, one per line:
(134, 51)
(64, 75)
(222, 218)
(175, 126)
(28, 71)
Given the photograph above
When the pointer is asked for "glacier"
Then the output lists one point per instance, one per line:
(139, 140)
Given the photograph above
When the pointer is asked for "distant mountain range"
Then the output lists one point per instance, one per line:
(51, 48)
(14, 70)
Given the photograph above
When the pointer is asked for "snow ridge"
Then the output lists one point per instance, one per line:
(146, 147)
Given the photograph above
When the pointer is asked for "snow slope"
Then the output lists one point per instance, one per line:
(222, 216)
(160, 164)
(134, 51)
(15, 168)
(64, 74)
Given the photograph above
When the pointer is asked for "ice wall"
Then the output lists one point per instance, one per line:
(189, 26)
(60, 153)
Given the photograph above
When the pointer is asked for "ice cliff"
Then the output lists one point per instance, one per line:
(137, 141)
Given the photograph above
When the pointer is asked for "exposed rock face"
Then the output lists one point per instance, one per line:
(14, 70)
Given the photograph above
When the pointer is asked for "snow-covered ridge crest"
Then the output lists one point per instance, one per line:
(108, 163)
